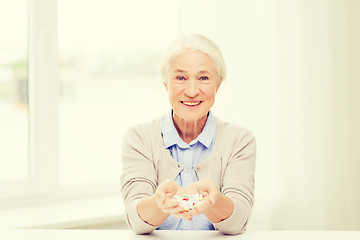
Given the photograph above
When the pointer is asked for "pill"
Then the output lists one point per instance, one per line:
(189, 202)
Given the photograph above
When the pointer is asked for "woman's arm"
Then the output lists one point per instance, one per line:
(147, 205)
(150, 213)
(215, 205)
(229, 210)
(221, 210)
(238, 182)
(138, 178)
(155, 209)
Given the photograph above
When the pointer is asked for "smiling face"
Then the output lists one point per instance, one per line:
(192, 84)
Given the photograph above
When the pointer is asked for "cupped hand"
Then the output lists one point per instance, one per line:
(164, 194)
(210, 192)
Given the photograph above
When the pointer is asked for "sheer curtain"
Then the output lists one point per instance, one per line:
(293, 79)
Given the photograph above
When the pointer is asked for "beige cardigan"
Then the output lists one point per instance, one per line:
(231, 166)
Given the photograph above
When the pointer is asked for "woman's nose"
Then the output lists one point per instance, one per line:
(192, 88)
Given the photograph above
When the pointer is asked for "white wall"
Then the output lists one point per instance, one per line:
(293, 78)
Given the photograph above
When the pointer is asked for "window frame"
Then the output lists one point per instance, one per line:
(42, 104)
(42, 184)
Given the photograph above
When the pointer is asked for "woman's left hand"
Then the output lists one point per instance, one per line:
(210, 192)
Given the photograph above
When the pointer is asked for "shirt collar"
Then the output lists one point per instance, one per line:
(171, 136)
(208, 133)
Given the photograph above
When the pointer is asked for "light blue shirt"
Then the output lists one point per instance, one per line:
(188, 155)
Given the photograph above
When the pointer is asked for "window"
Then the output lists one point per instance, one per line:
(14, 139)
(109, 60)
(30, 30)
(90, 78)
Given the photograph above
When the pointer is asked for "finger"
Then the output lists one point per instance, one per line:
(168, 186)
(170, 203)
(172, 193)
(201, 208)
(160, 199)
(175, 210)
(192, 189)
(181, 191)
(162, 195)
(212, 199)
(183, 214)
(165, 202)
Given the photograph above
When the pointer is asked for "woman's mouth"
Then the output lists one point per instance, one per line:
(191, 103)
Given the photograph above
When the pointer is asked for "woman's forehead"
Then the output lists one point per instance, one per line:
(192, 60)
(182, 71)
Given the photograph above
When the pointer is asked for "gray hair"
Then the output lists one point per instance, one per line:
(195, 42)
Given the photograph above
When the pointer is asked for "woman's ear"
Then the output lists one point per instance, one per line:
(218, 86)
(165, 85)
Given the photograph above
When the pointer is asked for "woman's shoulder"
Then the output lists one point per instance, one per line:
(146, 126)
(230, 129)
(233, 137)
(146, 130)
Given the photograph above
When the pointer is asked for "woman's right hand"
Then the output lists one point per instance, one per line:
(164, 194)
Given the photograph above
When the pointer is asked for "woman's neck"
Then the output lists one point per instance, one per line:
(189, 130)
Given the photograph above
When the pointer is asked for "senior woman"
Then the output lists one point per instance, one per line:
(189, 151)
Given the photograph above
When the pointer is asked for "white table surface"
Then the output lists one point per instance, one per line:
(32, 234)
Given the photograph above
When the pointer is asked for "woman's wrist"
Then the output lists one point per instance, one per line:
(221, 210)
(149, 211)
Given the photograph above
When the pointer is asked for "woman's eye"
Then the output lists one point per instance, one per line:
(180, 78)
(204, 78)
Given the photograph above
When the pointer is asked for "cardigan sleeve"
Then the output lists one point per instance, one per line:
(138, 178)
(238, 182)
